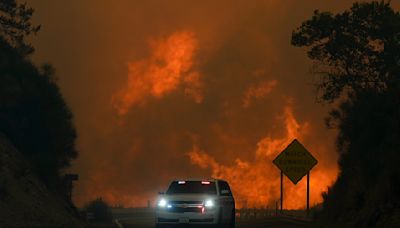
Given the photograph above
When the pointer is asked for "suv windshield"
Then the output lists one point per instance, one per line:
(192, 187)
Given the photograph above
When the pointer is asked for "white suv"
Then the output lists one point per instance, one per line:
(196, 201)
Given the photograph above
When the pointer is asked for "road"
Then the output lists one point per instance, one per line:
(145, 219)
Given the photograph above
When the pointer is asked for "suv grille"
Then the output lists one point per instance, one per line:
(186, 202)
(183, 209)
(182, 206)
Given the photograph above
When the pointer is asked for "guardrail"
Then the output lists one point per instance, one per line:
(253, 213)
(256, 213)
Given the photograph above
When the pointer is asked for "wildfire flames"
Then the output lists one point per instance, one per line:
(169, 66)
(257, 183)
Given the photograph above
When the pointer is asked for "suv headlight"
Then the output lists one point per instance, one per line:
(162, 203)
(209, 203)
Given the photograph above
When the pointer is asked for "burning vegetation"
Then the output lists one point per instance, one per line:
(256, 183)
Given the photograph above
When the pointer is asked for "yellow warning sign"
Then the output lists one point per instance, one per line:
(295, 161)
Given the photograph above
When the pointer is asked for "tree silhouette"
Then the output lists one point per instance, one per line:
(357, 56)
(33, 113)
(15, 25)
(353, 51)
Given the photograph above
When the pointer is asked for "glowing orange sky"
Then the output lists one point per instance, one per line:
(168, 89)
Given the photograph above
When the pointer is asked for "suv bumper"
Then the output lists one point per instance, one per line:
(165, 217)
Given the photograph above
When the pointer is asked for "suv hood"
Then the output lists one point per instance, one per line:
(188, 197)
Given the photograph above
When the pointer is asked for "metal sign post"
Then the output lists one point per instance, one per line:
(68, 179)
(281, 192)
(308, 192)
(295, 162)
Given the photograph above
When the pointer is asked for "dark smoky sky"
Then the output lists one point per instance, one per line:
(239, 45)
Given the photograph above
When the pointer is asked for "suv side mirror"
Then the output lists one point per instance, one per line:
(225, 192)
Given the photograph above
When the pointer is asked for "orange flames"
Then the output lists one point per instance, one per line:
(257, 183)
(169, 66)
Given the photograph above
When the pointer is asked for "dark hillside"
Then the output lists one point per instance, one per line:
(24, 199)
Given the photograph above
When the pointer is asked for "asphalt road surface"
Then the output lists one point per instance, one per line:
(271, 222)
(145, 219)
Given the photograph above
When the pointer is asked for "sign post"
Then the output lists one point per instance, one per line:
(281, 192)
(68, 179)
(295, 162)
(308, 192)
